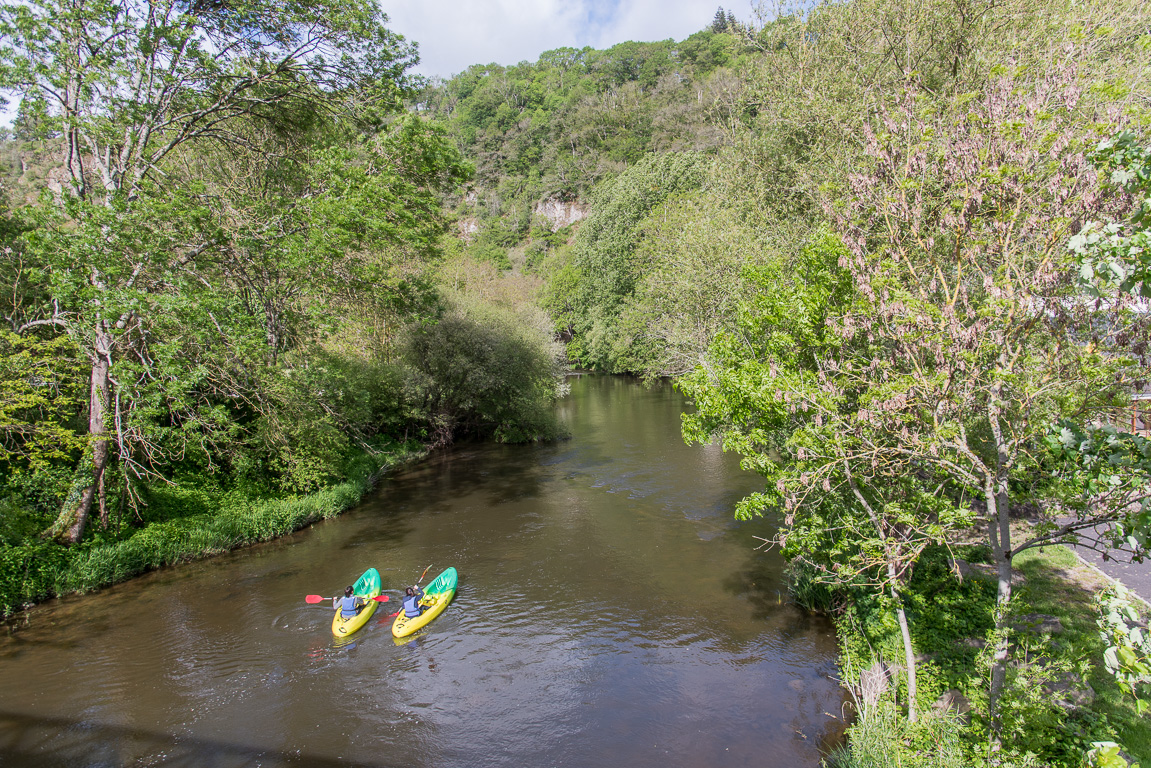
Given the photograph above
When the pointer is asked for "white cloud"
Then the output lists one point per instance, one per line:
(454, 34)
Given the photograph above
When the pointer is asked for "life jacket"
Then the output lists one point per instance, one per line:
(412, 606)
(348, 606)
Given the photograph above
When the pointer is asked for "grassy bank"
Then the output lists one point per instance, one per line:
(1060, 697)
(196, 522)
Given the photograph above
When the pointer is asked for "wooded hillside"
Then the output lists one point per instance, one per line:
(895, 254)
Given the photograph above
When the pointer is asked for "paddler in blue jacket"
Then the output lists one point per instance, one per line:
(349, 604)
(412, 597)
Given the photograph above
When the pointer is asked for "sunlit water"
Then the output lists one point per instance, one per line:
(610, 613)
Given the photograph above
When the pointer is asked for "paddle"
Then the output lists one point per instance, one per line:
(321, 598)
(417, 584)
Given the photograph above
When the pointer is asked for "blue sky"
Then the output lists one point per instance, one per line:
(454, 34)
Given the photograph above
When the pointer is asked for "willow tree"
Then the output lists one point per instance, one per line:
(129, 84)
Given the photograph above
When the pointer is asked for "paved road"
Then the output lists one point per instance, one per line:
(1135, 576)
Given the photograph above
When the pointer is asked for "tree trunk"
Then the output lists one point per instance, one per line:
(1002, 560)
(89, 478)
(908, 654)
(892, 580)
(999, 535)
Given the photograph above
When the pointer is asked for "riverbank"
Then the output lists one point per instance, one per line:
(211, 523)
(1060, 697)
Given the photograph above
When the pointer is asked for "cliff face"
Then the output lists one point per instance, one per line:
(560, 213)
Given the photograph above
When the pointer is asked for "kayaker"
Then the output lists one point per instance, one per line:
(349, 604)
(412, 597)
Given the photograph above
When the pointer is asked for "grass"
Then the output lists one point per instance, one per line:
(882, 738)
(198, 523)
(950, 620)
(1059, 584)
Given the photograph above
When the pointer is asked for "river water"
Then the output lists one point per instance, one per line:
(610, 612)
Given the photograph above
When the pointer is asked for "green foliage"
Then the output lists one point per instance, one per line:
(605, 258)
(492, 248)
(318, 407)
(32, 121)
(1116, 256)
(187, 522)
(942, 611)
(881, 738)
(573, 117)
(808, 590)
(221, 292)
(145, 78)
(27, 571)
(1107, 754)
(1101, 465)
(551, 130)
(1128, 653)
(41, 397)
(485, 371)
(952, 622)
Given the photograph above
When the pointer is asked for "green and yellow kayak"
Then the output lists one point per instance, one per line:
(368, 586)
(437, 595)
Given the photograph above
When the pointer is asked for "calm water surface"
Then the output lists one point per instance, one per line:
(610, 613)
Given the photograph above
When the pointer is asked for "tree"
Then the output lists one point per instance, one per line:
(321, 221)
(965, 336)
(721, 21)
(487, 370)
(32, 122)
(850, 521)
(1115, 257)
(956, 234)
(129, 84)
(605, 253)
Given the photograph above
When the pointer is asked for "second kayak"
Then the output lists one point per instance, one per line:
(436, 598)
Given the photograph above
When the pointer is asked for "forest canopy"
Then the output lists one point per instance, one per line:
(894, 254)
(220, 223)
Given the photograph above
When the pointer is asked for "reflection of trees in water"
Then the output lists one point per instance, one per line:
(29, 741)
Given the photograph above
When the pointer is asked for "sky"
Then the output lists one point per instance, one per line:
(454, 34)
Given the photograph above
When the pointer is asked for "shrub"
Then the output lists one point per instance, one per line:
(485, 371)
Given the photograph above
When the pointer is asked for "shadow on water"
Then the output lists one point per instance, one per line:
(502, 473)
(27, 741)
(610, 612)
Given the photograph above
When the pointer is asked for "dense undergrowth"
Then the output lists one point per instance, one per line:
(1059, 698)
(179, 523)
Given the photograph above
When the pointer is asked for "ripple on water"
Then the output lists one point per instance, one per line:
(592, 628)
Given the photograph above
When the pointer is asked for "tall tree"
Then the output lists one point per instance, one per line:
(720, 22)
(129, 83)
(966, 336)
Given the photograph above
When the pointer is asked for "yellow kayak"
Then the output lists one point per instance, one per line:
(436, 597)
(367, 587)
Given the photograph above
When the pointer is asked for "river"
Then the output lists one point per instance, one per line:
(610, 612)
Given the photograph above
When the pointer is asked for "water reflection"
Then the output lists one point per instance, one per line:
(610, 612)
(46, 742)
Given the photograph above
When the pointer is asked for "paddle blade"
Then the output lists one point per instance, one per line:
(313, 599)
(381, 598)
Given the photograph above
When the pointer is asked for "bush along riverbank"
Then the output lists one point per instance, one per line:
(181, 522)
(1062, 707)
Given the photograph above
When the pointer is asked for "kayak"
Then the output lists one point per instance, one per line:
(368, 586)
(437, 595)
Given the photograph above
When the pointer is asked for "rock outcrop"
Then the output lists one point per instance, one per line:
(560, 213)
